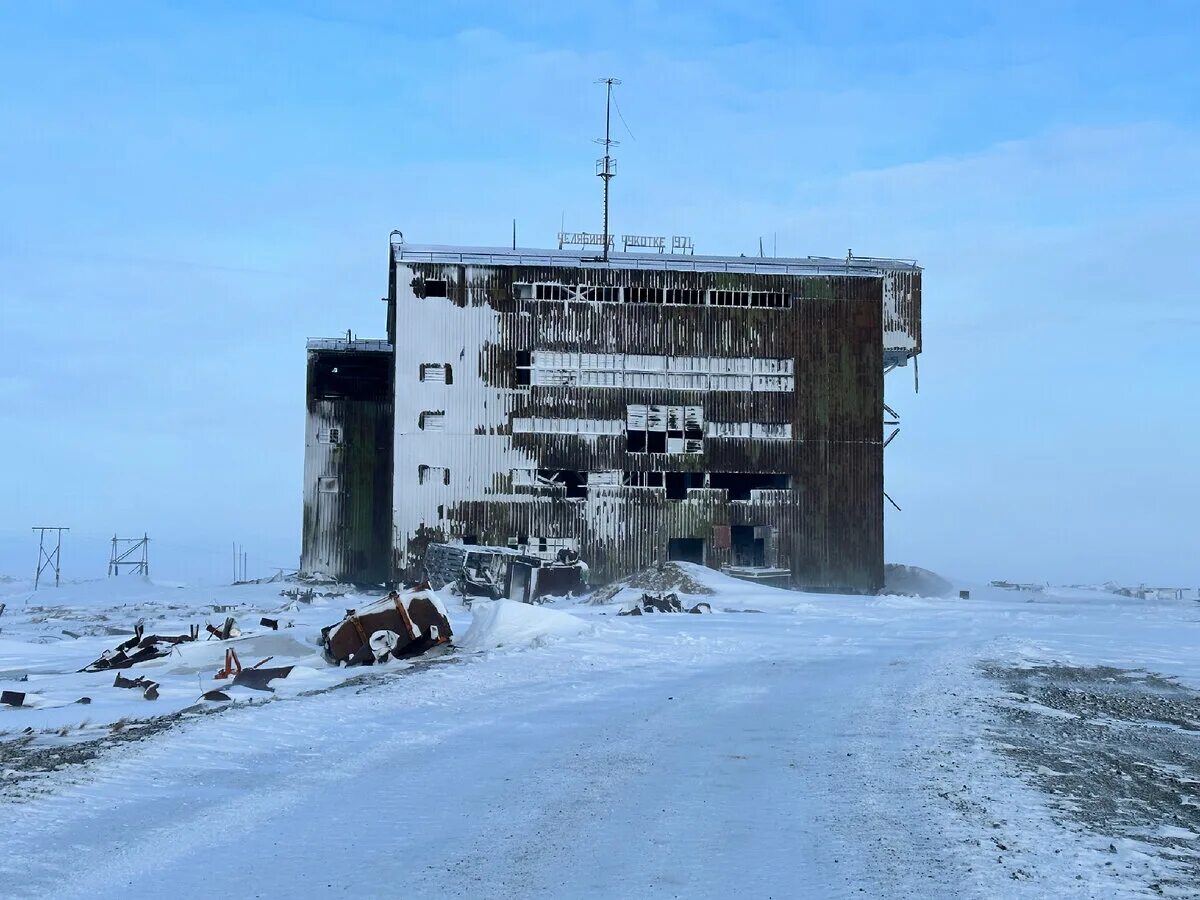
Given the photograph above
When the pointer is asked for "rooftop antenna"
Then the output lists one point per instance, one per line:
(606, 167)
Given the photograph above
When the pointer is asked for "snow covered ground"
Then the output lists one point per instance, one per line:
(785, 745)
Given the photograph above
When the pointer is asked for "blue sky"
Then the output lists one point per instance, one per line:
(192, 189)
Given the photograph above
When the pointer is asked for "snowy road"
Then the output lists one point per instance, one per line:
(814, 750)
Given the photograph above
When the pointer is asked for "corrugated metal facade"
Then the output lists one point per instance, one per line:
(348, 451)
(466, 329)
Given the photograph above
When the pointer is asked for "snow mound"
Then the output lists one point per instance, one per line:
(676, 577)
(913, 581)
(507, 623)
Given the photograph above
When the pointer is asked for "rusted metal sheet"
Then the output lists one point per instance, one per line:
(728, 370)
(348, 449)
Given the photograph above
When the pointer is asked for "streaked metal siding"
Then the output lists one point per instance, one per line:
(347, 535)
(829, 527)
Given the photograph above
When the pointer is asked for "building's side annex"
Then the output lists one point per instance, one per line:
(722, 410)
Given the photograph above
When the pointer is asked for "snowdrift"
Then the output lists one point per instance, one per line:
(507, 623)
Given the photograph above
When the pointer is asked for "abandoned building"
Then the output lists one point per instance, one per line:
(723, 410)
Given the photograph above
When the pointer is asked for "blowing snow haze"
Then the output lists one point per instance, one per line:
(192, 190)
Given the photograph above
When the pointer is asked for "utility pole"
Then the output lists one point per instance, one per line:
(123, 550)
(48, 558)
(606, 167)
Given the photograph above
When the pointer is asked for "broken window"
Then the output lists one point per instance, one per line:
(740, 484)
(573, 483)
(685, 296)
(327, 484)
(432, 420)
(764, 430)
(602, 294)
(664, 429)
(522, 291)
(585, 427)
(643, 479)
(551, 292)
(760, 299)
(678, 483)
(522, 360)
(433, 475)
(437, 373)
(329, 436)
(644, 295)
(631, 370)
(435, 287)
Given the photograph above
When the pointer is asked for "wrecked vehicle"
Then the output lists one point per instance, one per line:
(396, 627)
(490, 573)
(652, 602)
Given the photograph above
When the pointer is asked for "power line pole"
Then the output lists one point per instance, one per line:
(123, 550)
(606, 168)
(48, 558)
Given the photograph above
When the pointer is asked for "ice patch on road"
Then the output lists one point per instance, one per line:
(507, 623)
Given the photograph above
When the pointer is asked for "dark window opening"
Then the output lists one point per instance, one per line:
(679, 482)
(575, 483)
(522, 362)
(740, 484)
(435, 287)
(644, 295)
(636, 441)
(549, 292)
(642, 479)
(686, 550)
(335, 435)
(349, 375)
(685, 296)
(602, 294)
(656, 442)
(745, 548)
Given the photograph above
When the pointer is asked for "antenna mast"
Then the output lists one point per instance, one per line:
(606, 167)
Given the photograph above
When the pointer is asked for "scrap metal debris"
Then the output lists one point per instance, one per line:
(395, 627)
(664, 603)
(225, 632)
(256, 677)
(139, 648)
(12, 698)
(149, 688)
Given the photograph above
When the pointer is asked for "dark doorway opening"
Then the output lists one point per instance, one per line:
(686, 550)
(745, 548)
